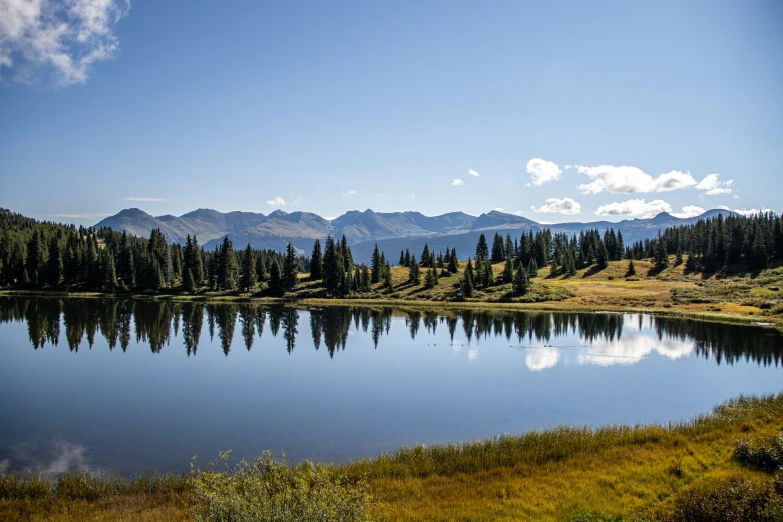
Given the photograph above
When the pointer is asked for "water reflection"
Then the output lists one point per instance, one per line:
(603, 339)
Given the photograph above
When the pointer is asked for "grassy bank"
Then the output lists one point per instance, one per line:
(746, 298)
(543, 475)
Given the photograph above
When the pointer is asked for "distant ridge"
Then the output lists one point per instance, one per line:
(392, 231)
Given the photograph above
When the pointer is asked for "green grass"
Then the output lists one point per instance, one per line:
(564, 473)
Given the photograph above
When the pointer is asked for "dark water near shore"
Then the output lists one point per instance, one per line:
(124, 386)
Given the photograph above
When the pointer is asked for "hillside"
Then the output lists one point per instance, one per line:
(393, 231)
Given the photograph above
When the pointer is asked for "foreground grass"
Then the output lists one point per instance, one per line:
(541, 475)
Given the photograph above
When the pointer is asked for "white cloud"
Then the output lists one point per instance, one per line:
(751, 211)
(86, 215)
(473, 172)
(57, 42)
(413, 196)
(330, 218)
(631, 180)
(542, 171)
(349, 193)
(542, 358)
(735, 196)
(713, 187)
(499, 209)
(723, 207)
(559, 206)
(634, 208)
(689, 211)
(519, 213)
(457, 182)
(148, 200)
(276, 203)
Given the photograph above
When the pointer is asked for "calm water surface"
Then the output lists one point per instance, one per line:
(126, 386)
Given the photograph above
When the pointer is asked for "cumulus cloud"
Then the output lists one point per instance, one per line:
(276, 203)
(542, 358)
(751, 211)
(457, 182)
(348, 193)
(499, 209)
(713, 187)
(631, 180)
(634, 208)
(473, 172)
(559, 206)
(57, 42)
(723, 207)
(689, 211)
(542, 171)
(148, 200)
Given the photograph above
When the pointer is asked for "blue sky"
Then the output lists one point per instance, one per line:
(567, 111)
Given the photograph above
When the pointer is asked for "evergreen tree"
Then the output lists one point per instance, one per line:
(414, 274)
(109, 272)
(425, 256)
(521, 283)
(603, 256)
(188, 283)
(261, 273)
(275, 278)
(334, 273)
(407, 258)
(532, 268)
(661, 255)
(402, 258)
(429, 279)
(453, 264)
(678, 258)
(488, 278)
(366, 279)
(509, 248)
(345, 250)
(290, 268)
(376, 265)
(631, 268)
(498, 249)
(126, 264)
(227, 266)
(249, 275)
(54, 270)
(316, 262)
(482, 250)
(467, 282)
(508, 270)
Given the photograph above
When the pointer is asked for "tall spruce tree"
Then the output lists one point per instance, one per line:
(521, 283)
(482, 250)
(227, 266)
(414, 273)
(249, 275)
(316, 262)
(290, 269)
(466, 286)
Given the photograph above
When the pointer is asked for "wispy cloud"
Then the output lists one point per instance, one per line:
(500, 209)
(349, 193)
(542, 171)
(473, 173)
(634, 208)
(751, 211)
(712, 186)
(559, 206)
(56, 42)
(148, 200)
(631, 180)
(689, 211)
(276, 203)
(457, 182)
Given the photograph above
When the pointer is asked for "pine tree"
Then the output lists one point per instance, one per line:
(661, 255)
(249, 275)
(631, 268)
(521, 283)
(467, 282)
(54, 270)
(188, 283)
(402, 258)
(290, 269)
(261, 273)
(482, 250)
(227, 266)
(275, 278)
(678, 258)
(532, 268)
(498, 249)
(414, 275)
(508, 270)
(603, 256)
(345, 250)
(407, 258)
(488, 278)
(429, 279)
(425, 256)
(316, 262)
(376, 265)
(125, 262)
(453, 267)
(334, 273)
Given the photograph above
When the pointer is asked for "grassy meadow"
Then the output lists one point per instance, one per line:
(567, 473)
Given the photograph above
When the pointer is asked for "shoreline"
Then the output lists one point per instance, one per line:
(420, 304)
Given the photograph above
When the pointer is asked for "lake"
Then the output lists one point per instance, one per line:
(126, 386)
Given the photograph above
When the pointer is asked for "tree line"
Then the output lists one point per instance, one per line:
(123, 321)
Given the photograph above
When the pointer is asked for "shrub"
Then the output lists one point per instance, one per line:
(727, 500)
(269, 490)
(766, 454)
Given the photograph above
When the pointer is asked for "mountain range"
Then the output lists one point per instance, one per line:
(392, 231)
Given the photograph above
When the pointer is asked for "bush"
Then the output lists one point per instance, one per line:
(766, 454)
(728, 500)
(270, 490)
